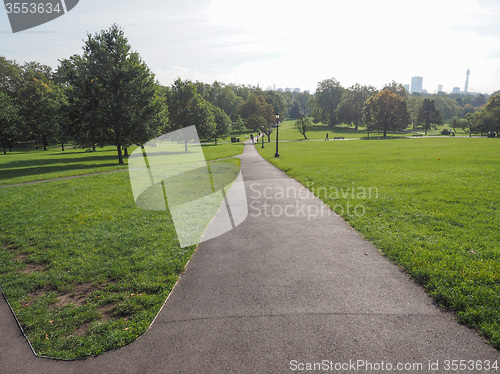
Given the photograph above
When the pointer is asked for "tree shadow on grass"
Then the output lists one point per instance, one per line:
(46, 171)
(63, 163)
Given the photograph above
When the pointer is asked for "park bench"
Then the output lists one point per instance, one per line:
(338, 138)
(416, 136)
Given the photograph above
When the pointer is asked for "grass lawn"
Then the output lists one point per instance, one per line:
(34, 165)
(318, 132)
(85, 270)
(433, 208)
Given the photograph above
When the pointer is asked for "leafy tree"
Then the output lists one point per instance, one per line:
(429, 116)
(115, 98)
(488, 119)
(468, 108)
(10, 76)
(239, 125)
(328, 96)
(39, 107)
(303, 99)
(414, 104)
(295, 111)
(303, 124)
(188, 108)
(386, 111)
(221, 96)
(479, 101)
(350, 109)
(448, 107)
(257, 113)
(222, 123)
(456, 122)
(278, 102)
(397, 88)
(9, 116)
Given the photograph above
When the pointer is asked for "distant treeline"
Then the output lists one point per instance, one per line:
(108, 95)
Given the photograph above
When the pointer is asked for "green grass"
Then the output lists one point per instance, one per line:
(434, 209)
(319, 131)
(35, 165)
(85, 270)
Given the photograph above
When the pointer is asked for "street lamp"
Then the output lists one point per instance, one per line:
(277, 134)
(262, 136)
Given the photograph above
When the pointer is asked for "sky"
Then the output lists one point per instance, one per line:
(286, 43)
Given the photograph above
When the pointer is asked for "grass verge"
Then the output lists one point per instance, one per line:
(84, 269)
(430, 205)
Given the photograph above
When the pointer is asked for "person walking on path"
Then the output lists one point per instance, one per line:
(251, 137)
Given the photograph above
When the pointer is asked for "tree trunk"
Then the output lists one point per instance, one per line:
(120, 157)
(62, 146)
(125, 151)
(4, 150)
(215, 140)
(44, 141)
(93, 148)
(385, 133)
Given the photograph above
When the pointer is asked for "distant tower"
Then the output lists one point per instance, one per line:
(440, 88)
(467, 82)
(416, 84)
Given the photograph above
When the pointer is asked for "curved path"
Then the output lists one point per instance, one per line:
(279, 290)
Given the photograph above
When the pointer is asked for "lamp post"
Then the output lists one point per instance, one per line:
(262, 136)
(277, 134)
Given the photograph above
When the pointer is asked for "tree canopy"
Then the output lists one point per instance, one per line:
(386, 111)
(114, 96)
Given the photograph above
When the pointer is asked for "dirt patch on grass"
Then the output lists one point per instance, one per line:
(106, 311)
(82, 330)
(77, 296)
(31, 268)
(9, 245)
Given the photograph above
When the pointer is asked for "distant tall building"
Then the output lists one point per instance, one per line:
(440, 88)
(467, 81)
(416, 84)
(456, 90)
(407, 87)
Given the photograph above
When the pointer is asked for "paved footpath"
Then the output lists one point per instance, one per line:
(278, 292)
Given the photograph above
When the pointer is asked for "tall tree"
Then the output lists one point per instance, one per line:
(295, 111)
(116, 98)
(488, 119)
(222, 123)
(397, 88)
(328, 96)
(350, 109)
(257, 113)
(188, 108)
(429, 116)
(10, 76)
(386, 111)
(39, 108)
(448, 107)
(9, 115)
(278, 102)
